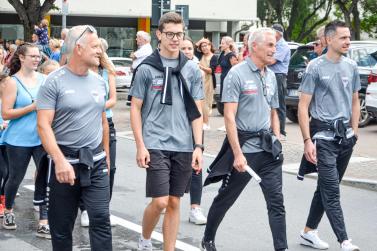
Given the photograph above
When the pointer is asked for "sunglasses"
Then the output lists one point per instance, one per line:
(88, 28)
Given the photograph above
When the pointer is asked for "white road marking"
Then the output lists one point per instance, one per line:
(137, 228)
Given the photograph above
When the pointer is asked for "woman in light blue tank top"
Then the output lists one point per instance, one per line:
(21, 137)
(107, 71)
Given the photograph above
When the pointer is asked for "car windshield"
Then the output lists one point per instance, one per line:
(301, 57)
(363, 56)
(122, 63)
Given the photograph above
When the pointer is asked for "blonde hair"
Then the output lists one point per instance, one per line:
(44, 23)
(106, 63)
(54, 43)
(46, 64)
(232, 45)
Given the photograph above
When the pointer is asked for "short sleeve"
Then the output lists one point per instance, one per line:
(142, 78)
(281, 53)
(231, 88)
(308, 80)
(356, 86)
(47, 95)
(197, 85)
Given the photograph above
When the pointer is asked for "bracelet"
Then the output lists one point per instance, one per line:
(306, 139)
(200, 146)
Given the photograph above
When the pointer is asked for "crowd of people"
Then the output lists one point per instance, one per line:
(59, 113)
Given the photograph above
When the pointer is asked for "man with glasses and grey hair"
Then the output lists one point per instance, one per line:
(143, 41)
(73, 129)
(250, 98)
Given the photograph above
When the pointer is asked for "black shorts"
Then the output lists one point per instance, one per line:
(169, 173)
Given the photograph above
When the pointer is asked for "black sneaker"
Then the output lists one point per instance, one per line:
(43, 231)
(208, 245)
(9, 221)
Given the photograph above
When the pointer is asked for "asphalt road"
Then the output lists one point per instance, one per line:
(245, 227)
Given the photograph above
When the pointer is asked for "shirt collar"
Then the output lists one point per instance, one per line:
(252, 66)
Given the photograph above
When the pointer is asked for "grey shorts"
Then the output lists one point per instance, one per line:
(169, 173)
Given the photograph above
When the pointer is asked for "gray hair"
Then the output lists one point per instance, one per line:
(144, 35)
(76, 35)
(47, 63)
(13, 47)
(258, 36)
(104, 44)
(321, 31)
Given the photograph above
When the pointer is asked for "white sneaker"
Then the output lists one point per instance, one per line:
(348, 246)
(112, 221)
(84, 219)
(311, 239)
(223, 129)
(197, 217)
(144, 245)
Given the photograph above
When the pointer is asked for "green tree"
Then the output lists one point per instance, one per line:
(351, 15)
(31, 12)
(369, 17)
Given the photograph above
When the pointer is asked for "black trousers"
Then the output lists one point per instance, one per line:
(281, 80)
(333, 160)
(3, 169)
(196, 188)
(270, 170)
(64, 202)
(113, 149)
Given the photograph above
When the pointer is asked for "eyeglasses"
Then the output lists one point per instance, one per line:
(34, 56)
(171, 35)
(88, 28)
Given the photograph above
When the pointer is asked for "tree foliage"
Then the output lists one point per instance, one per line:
(31, 12)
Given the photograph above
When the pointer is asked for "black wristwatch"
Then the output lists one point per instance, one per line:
(201, 146)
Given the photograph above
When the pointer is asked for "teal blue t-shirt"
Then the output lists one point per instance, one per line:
(23, 130)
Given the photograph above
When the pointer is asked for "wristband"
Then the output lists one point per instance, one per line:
(200, 146)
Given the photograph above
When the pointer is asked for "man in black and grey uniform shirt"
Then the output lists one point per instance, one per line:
(329, 91)
(73, 128)
(166, 101)
(250, 99)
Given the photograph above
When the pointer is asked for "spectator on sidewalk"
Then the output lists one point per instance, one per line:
(280, 67)
(143, 41)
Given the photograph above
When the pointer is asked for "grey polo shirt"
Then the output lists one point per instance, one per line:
(78, 102)
(331, 86)
(245, 85)
(166, 127)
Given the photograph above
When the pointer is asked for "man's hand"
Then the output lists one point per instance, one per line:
(197, 160)
(64, 172)
(240, 162)
(310, 151)
(108, 165)
(143, 157)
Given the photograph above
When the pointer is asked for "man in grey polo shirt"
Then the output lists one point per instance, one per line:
(280, 67)
(73, 129)
(250, 99)
(329, 91)
(166, 95)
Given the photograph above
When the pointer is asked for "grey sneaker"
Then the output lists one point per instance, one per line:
(43, 231)
(144, 245)
(9, 221)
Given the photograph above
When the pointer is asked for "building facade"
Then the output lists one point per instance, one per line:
(119, 20)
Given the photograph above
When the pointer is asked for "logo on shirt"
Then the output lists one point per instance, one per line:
(96, 96)
(250, 88)
(157, 83)
(345, 81)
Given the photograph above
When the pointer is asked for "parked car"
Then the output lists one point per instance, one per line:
(123, 71)
(371, 94)
(293, 46)
(360, 51)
